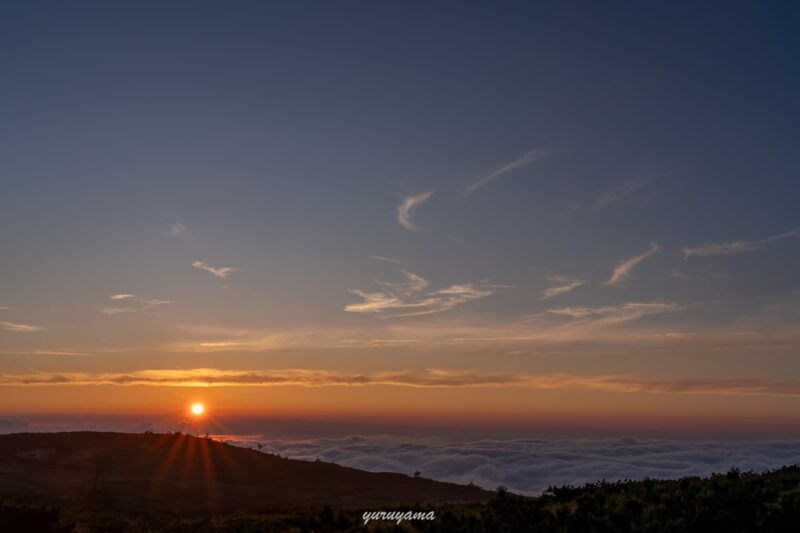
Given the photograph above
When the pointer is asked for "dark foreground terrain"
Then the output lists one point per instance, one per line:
(121, 482)
(194, 475)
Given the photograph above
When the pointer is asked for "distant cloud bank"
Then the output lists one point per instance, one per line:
(531, 465)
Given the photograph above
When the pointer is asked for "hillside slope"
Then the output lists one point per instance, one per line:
(182, 473)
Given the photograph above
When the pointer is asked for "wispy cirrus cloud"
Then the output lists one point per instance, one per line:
(210, 377)
(737, 247)
(220, 272)
(46, 352)
(562, 285)
(132, 304)
(19, 327)
(622, 192)
(608, 314)
(386, 259)
(623, 270)
(525, 159)
(411, 298)
(531, 465)
(408, 207)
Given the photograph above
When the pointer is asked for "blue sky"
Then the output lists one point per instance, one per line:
(508, 161)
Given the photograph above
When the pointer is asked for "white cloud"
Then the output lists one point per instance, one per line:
(411, 298)
(562, 286)
(529, 157)
(623, 270)
(178, 229)
(407, 208)
(21, 328)
(122, 296)
(220, 272)
(736, 247)
(622, 192)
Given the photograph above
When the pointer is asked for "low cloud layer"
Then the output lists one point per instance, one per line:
(531, 465)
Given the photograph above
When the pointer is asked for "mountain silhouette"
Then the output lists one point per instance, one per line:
(188, 474)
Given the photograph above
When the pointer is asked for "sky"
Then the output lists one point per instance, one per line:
(547, 213)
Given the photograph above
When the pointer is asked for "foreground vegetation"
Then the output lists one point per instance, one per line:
(731, 502)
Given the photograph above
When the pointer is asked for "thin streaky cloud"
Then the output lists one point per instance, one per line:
(413, 284)
(736, 247)
(529, 157)
(412, 298)
(623, 191)
(562, 285)
(408, 207)
(20, 328)
(46, 352)
(623, 270)
(220, 272)
(610, 314)
(429, 378)
(133, 304)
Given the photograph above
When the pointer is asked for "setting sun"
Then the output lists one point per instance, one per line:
(198, 409)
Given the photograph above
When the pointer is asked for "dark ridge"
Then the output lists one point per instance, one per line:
(187, 474)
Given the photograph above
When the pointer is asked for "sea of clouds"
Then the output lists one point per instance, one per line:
(530, 465)
(525, 465)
